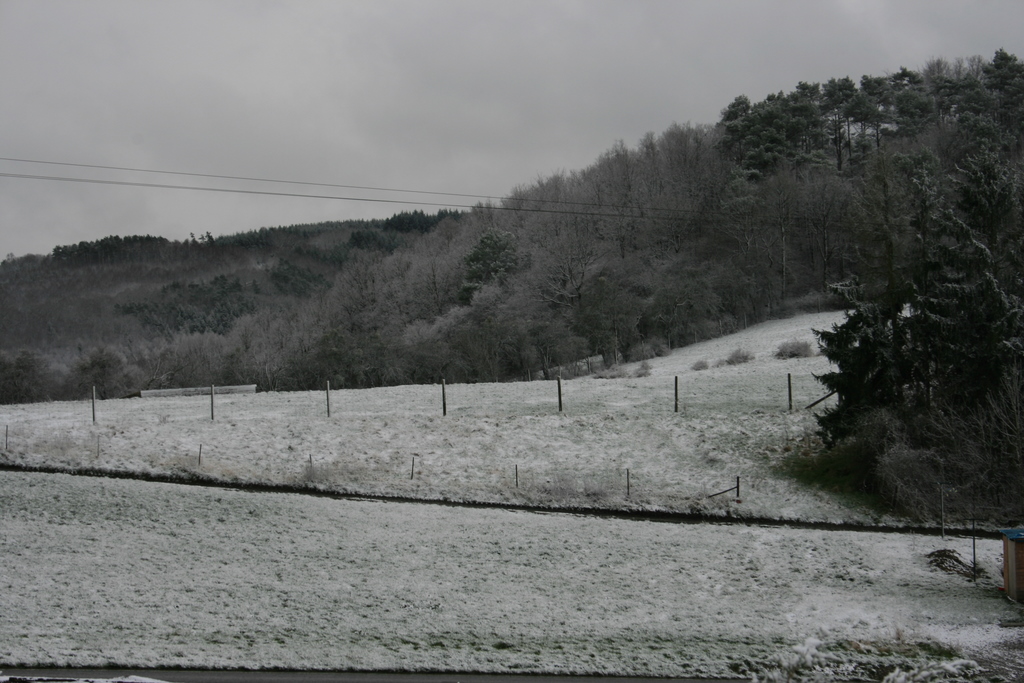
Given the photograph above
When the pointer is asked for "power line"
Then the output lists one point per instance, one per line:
(298, 182)
(127, 183)
(246, 178)
(197, 188)
(512, 203)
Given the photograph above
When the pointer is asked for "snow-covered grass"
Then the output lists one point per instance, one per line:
(733, 422)
(146, 574)
(100, 571)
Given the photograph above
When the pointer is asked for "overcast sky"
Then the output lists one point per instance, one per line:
(467, 97)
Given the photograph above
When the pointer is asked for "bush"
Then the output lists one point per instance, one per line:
(739, 356)
(976, 456)
(23, 379)
(910, 479)
(846, 468)
(655, 347)
(103, 369)
(699, 365)
(614, 372)
(644, 370)
(794, 348)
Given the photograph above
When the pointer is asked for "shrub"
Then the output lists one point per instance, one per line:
(654, 347)
(699, 365)
(614, 372)
(846, 468)
(103, 369)
(23, 379)
(794, 348)
(739, 356)
(644, 370)
(974, 457)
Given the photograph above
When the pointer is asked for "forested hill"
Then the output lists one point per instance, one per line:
(693, 232)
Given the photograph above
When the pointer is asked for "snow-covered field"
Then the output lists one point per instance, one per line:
(145, 574)
(733, 422)
(98, 571)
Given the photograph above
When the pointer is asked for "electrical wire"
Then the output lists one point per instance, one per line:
(511, 203)
(297, 182)
(246, 178)
(197, 188)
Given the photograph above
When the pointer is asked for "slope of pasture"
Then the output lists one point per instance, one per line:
(136, 574)
(733, 422)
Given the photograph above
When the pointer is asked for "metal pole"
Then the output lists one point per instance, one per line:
(737, 487)
(559, 393)
(211, 401)
(444, 399)
(627, 482)
(94, 404)
(328, 398)
(789, 383)
(677, 393)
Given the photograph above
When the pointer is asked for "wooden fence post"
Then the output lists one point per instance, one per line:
(942, 508)
(677, 393)
(974, 550)
(211, 402)
(559, 393)
(444, 399)
(94, 405)
(789, 383)
(328, 398)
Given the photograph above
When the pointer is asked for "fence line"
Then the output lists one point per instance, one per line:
(581, 483)
(655, 403)
(211, 391)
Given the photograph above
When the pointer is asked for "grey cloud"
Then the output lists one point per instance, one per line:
(454, 96)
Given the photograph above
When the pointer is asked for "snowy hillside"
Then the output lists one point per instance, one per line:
(733, 422)
(142, 574)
